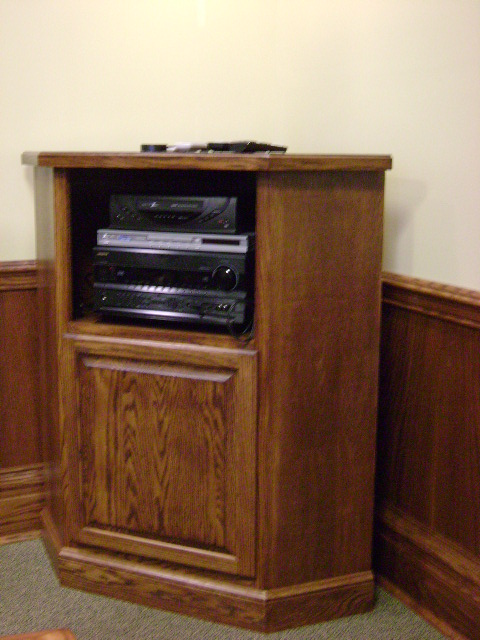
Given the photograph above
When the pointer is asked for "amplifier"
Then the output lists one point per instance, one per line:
(212, 288)
(174, 213)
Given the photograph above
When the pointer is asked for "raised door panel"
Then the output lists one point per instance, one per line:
(166, 443)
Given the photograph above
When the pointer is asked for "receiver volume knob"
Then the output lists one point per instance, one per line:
(224, 278)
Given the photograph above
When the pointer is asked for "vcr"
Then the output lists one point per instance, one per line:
(176, 213)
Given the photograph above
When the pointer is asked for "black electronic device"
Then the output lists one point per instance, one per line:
(245, 146)
(172, 213)
(238, 146)
(182, 286)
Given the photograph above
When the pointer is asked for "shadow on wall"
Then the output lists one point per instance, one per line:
(402, 201)
(28, 176)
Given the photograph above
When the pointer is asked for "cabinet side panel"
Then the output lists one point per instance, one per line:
(319, 243)
(52, 216)
(48, 378)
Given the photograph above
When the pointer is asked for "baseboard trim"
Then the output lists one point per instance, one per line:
(445, 629)
(22, 496)
(234, 602)
(440, 577)
(13, 538)
(319, 602)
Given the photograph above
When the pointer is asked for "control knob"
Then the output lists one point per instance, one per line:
(224, 278)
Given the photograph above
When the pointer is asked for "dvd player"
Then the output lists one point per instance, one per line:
(175, 241)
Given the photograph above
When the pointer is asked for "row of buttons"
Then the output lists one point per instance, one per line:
(170, 218)
(143, 289)
(133, 300)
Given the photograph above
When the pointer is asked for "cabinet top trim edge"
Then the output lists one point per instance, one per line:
(198, 161)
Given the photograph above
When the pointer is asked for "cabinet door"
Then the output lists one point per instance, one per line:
(163, 441)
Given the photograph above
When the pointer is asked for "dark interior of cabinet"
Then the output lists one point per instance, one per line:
(90, 194)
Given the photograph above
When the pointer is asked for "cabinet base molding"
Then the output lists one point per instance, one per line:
(234, 602)
(22, 496)
(438, 575)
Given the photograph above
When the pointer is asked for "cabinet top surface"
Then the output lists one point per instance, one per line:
(207, 161)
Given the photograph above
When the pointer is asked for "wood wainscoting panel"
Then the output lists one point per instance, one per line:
(427, 538)
(19, 431)
(22, 497)
(21, 478)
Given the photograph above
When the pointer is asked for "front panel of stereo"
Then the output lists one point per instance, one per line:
(173, 285)
(178, 269)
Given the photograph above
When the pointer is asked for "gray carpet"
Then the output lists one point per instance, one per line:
(31, 600)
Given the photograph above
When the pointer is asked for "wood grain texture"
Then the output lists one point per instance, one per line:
(51, 195)
(212, 597)
(162, 436)
(430, 396)
(428, 473)
(19, 372)
(318, 314)
(22, 497)
(446, 629)
(192, 449)
(432, 299)
(221, 162)
(22, 493)
(436, 573)
(92, 328)
(18, 275)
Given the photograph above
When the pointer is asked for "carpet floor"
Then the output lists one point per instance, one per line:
(31, 599)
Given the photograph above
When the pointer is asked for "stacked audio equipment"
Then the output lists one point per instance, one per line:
(175, 259)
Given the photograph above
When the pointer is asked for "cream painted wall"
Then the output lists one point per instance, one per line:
(340, 76)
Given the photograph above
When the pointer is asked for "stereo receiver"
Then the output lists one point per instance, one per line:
(187, 286)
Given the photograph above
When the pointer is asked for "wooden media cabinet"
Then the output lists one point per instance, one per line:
(189, 470)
